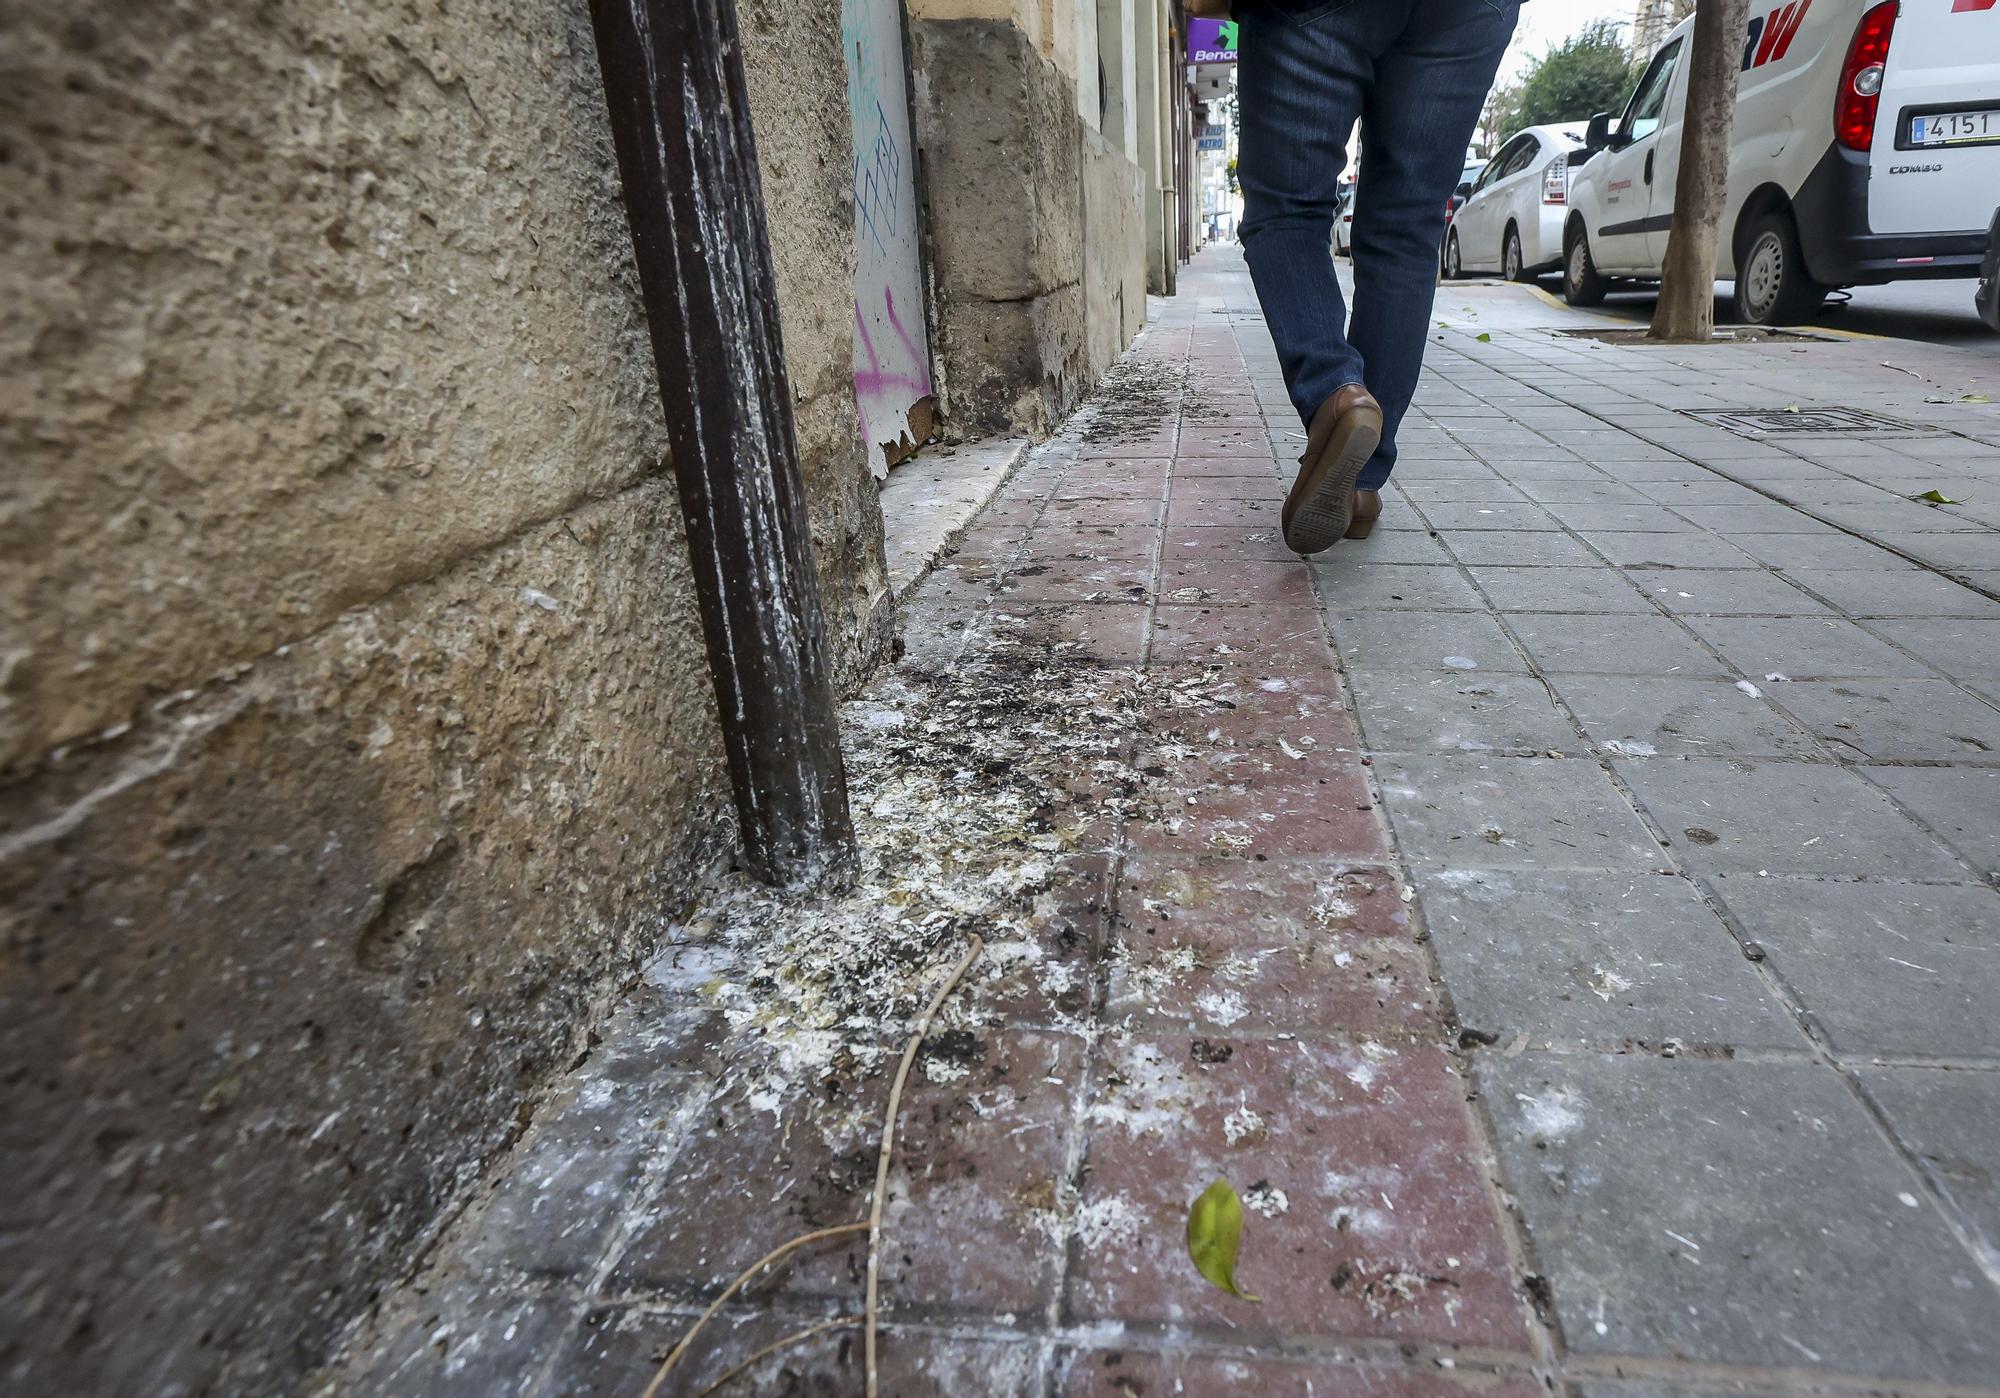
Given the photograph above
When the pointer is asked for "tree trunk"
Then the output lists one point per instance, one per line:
(1686, 309)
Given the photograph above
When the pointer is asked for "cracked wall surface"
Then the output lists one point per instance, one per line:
(1034, 219)
(355, 731)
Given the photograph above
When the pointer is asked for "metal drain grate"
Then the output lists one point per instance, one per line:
(1767, 422)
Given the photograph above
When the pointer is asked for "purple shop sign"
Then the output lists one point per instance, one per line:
(1211, 41)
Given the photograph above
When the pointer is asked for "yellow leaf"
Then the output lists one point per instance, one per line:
(1214, 1233)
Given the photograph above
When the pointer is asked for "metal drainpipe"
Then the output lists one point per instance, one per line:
(680, 119)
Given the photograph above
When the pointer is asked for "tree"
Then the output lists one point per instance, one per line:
(1499, 118)
(1686, 308)
(1591, 71)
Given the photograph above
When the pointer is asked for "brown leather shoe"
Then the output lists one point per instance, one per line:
(1344, 433)
(1367, 508)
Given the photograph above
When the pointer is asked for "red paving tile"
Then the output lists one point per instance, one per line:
(1060, 538)
(1232, 584)
(1302, 946)
(1096, 511)
(1264, 637)
(1202, 543)
(980, 1152)
(1368, 1212)
(1253, 509)
(1127, 1373)
(616, 1350)
(1225, 467)
(1087, 632)
(1077, 580)
(1247, 706)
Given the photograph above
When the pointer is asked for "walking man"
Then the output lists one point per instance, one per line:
(1416, 73)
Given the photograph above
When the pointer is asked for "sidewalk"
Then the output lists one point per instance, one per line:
(1566, 918)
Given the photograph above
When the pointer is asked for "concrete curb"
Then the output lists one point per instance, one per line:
(928, 502)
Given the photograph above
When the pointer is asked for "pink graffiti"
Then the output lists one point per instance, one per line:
(878, 383)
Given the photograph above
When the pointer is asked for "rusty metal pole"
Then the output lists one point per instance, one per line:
(680, 119)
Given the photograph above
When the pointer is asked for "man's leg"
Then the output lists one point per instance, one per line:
(1300, 86)
(1430, 85)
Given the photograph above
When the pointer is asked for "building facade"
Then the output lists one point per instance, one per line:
(356, 733)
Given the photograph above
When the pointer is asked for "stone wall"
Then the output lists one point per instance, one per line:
(354, 722)
(1029, 228)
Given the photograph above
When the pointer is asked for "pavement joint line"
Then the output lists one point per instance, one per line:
(1078, 1135)
(1543, 1327)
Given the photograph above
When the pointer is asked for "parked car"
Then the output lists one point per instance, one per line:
(1866, 149)
(1343, 223)
(1510, 218)
(1466, 177)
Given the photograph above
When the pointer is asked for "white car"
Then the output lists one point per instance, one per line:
(1511, 220)
(1343, 223)
(1865, 149)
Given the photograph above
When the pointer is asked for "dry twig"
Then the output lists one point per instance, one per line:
(873, 1225)
(889, 1144)
(776, 1254)
(794, 1338)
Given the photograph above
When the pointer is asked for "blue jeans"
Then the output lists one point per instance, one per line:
(1416, 74)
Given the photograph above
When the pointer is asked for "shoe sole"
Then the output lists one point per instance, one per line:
(1324, 508)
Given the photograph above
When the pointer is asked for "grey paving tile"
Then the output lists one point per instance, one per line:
(1804, 648)
(1691, 550)
(1887, 516)
(1513, 813)
(1459, 711)
(1733, 520)
(1443, 515)
(1600, 489)
(1551, 469)
(1883, 968)
(1908, 593)
(1483, 490)
(1455, 641)
(1727, 592)
(1980, 550)
(1680, 718)
(1596, 958)
(1784, 817)
(1410, 470)
(1351, 582)
(1398, 546)
(1615, 645)
(1703, 490)
(1897, 720)
(1661, 1388)
(1961, 803)
(1819, 551)
(1598, 589)
(1961, 649)
(1742, 1212)
(1952, 1121)
(1476, 546)
(1640, 469)
(1588, 518)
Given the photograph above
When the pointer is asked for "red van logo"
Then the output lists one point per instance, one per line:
(1770, 35)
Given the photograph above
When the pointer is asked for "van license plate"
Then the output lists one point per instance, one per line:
(1955, 128)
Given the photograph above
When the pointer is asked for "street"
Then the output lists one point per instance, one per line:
(1937, 313)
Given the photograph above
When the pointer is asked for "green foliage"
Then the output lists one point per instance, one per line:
(1589, 72)
(1214, 1233)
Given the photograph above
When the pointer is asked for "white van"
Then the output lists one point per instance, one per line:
(1866, 149)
